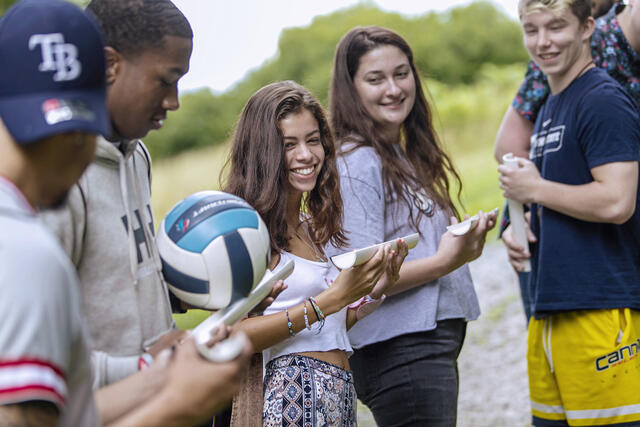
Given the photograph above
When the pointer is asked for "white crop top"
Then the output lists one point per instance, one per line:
(308, 279)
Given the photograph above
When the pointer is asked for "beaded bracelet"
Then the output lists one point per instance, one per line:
(289, 324)
(318, 312)
(306, 318)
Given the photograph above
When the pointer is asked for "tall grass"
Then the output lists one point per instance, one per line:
(467, 119)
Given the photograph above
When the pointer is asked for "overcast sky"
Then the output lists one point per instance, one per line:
(234, 36)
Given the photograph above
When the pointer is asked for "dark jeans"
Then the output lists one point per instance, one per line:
(412, 380)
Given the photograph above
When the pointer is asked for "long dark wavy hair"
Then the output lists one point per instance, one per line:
(258, 174)
(431, 168)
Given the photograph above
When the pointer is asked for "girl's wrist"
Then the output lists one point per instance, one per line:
(443, 263)
(328, 301)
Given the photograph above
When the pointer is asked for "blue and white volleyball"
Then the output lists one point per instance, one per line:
(214, 249)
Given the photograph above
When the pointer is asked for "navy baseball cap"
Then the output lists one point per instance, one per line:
(52, 77)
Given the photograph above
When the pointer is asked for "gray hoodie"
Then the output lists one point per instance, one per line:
(106, 228)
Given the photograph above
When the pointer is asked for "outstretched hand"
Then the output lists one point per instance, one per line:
(392, 272)
(356, 282)
(209, 386)
(166, 341)
(269, 299)
(459, 250)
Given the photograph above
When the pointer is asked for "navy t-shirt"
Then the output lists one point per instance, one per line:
(578, 264)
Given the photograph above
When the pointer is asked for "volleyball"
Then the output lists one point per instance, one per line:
(214, 249)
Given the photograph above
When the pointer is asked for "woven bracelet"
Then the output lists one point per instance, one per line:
(318, 312)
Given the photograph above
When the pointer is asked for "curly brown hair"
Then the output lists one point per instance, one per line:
(258, 174)
(430, 165)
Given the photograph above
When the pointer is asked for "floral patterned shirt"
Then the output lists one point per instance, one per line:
(610, 50)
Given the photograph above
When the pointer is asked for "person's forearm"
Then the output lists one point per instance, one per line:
(513, 135)
(125, 395)
(269, 330)
(420, 271)
(160, 411)
(594, 202)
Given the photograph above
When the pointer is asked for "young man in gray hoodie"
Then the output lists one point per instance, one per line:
(107, 225)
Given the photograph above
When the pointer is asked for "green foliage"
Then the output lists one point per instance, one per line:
(5, 4)
(475, 108)
(450, 47)
(203, 119)
(466, 118)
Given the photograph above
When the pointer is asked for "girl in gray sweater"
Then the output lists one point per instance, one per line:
(395, 180)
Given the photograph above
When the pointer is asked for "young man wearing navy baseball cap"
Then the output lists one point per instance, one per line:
(52, 106)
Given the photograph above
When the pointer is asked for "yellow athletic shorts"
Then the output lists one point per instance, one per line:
(584, 368)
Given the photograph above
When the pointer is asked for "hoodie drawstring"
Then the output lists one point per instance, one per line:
(155, 255)
(133, 253)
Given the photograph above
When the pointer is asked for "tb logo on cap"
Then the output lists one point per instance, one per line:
(57, 56)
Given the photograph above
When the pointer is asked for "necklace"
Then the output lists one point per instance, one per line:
(582, 70)
(307, 241)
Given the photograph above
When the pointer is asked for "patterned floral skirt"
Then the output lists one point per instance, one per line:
(307, 392)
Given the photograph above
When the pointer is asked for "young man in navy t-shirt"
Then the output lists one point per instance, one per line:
(582, 184)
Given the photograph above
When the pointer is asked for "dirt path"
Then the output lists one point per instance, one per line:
(493, 370)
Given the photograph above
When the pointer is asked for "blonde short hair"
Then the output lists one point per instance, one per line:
(580, 8)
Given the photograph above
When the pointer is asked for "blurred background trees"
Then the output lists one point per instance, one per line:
(452, 48)
(471, 57)
(458, 48)
(5, 4)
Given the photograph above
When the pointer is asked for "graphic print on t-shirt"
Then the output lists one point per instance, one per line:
(546, 141)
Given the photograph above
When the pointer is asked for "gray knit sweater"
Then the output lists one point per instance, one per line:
(369, 220)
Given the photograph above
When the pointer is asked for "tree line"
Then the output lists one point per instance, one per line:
(451, 47)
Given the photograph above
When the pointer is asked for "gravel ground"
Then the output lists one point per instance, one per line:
(493, 371)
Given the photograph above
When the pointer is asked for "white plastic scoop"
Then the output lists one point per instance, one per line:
(230, 348)
(359, 256)
(463, 227)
